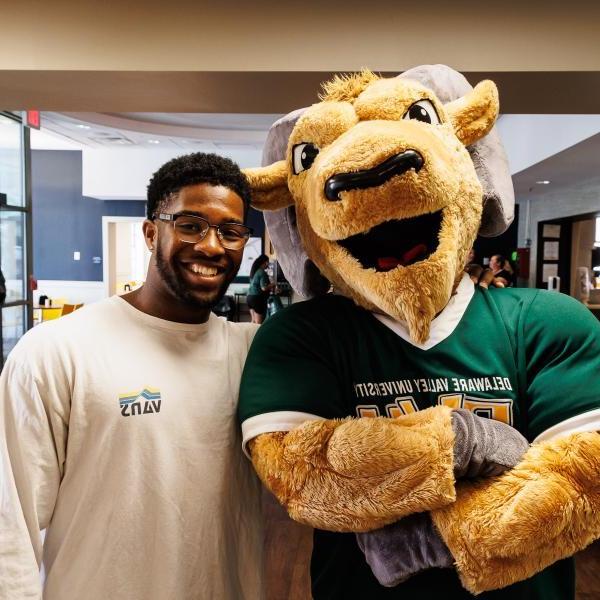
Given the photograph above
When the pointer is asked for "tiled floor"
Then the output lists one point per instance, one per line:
(288, 547)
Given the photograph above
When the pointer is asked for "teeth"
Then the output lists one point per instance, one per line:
(203, 270)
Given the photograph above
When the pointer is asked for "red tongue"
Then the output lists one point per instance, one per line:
(413, 253)
(387, 263)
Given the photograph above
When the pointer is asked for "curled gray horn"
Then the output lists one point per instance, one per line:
(303, 275)
(488, 155)
(489, 158)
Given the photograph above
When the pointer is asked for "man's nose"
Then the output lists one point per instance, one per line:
(210, 244)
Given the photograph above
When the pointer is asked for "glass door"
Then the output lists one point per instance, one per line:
(15, 230)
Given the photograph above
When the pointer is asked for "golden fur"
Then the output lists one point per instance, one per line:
(359, 474)
(345, 88)
(547, 508)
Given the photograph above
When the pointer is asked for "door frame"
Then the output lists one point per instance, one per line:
(106, 222)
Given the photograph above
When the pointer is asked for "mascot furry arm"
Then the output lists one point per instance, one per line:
(547, 508)
(359, 474)
(374, 150)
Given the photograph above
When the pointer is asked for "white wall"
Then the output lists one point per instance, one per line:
(529, 139)
(74, 292)
(123, 173)
(583, 238)
(577, 200)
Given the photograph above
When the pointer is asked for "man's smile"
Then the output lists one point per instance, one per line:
(199, 271)
(205, 270)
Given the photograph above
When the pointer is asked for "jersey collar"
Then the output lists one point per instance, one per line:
(444, 324)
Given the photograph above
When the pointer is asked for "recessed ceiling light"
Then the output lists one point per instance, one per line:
(543, 182)
(83, 126)
(153, 141)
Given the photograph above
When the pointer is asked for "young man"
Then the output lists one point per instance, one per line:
(117, 423)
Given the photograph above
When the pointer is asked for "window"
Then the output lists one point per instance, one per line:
(15, 262)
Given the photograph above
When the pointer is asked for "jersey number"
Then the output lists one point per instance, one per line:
(497, 409)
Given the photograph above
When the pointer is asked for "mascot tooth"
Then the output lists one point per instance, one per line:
(394, 414)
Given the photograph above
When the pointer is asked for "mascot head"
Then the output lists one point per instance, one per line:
(387, 198)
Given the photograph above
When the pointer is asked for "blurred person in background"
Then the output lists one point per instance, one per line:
(259, 290)
(502, 270)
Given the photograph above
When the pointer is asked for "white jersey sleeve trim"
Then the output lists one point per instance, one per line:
(444, 324)
(281, 420)
(587, 421)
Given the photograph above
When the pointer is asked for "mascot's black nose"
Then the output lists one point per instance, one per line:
(395, 165)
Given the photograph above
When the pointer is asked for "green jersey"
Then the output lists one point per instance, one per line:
(527, 357)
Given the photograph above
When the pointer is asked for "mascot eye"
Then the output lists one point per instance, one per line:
(303, 156)
(424, 111)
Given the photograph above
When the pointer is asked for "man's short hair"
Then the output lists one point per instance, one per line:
(192, 169)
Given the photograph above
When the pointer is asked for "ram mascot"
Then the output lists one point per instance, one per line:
(441, 438)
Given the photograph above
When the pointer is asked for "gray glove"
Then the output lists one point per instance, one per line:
(403, 549)
(482, 448)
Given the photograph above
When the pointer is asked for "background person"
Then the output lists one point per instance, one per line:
(502, 270)
(260, 287)
(117, 422)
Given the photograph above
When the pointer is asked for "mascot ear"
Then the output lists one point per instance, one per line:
(269, 186)
(474, 114)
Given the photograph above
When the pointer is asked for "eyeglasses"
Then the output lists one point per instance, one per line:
(192, 229)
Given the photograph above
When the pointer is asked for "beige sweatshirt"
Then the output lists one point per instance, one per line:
(118, 435)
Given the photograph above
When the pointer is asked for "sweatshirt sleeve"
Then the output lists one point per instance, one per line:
(33, 436)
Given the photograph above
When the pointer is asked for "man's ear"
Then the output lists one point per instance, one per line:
(269, 186)
(474, 114)
(149, 229)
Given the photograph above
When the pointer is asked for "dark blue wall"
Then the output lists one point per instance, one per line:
(64, 221)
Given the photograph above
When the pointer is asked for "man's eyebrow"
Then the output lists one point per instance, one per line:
(193, 213)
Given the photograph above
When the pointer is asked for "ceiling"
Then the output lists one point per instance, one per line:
(564, 170)
(232, 132)
(193, 131)
(275, 92)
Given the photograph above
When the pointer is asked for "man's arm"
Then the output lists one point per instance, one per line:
(359, 474)
(32, 447)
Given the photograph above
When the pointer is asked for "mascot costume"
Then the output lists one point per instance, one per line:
(394, 410)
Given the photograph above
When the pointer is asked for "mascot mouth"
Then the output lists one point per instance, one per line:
(396, 243)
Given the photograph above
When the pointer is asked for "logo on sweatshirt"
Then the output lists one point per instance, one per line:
(140, 403)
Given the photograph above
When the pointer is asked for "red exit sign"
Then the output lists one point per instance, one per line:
(33, 119)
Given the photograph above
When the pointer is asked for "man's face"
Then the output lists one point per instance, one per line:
(495, 263)
(198, 274)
